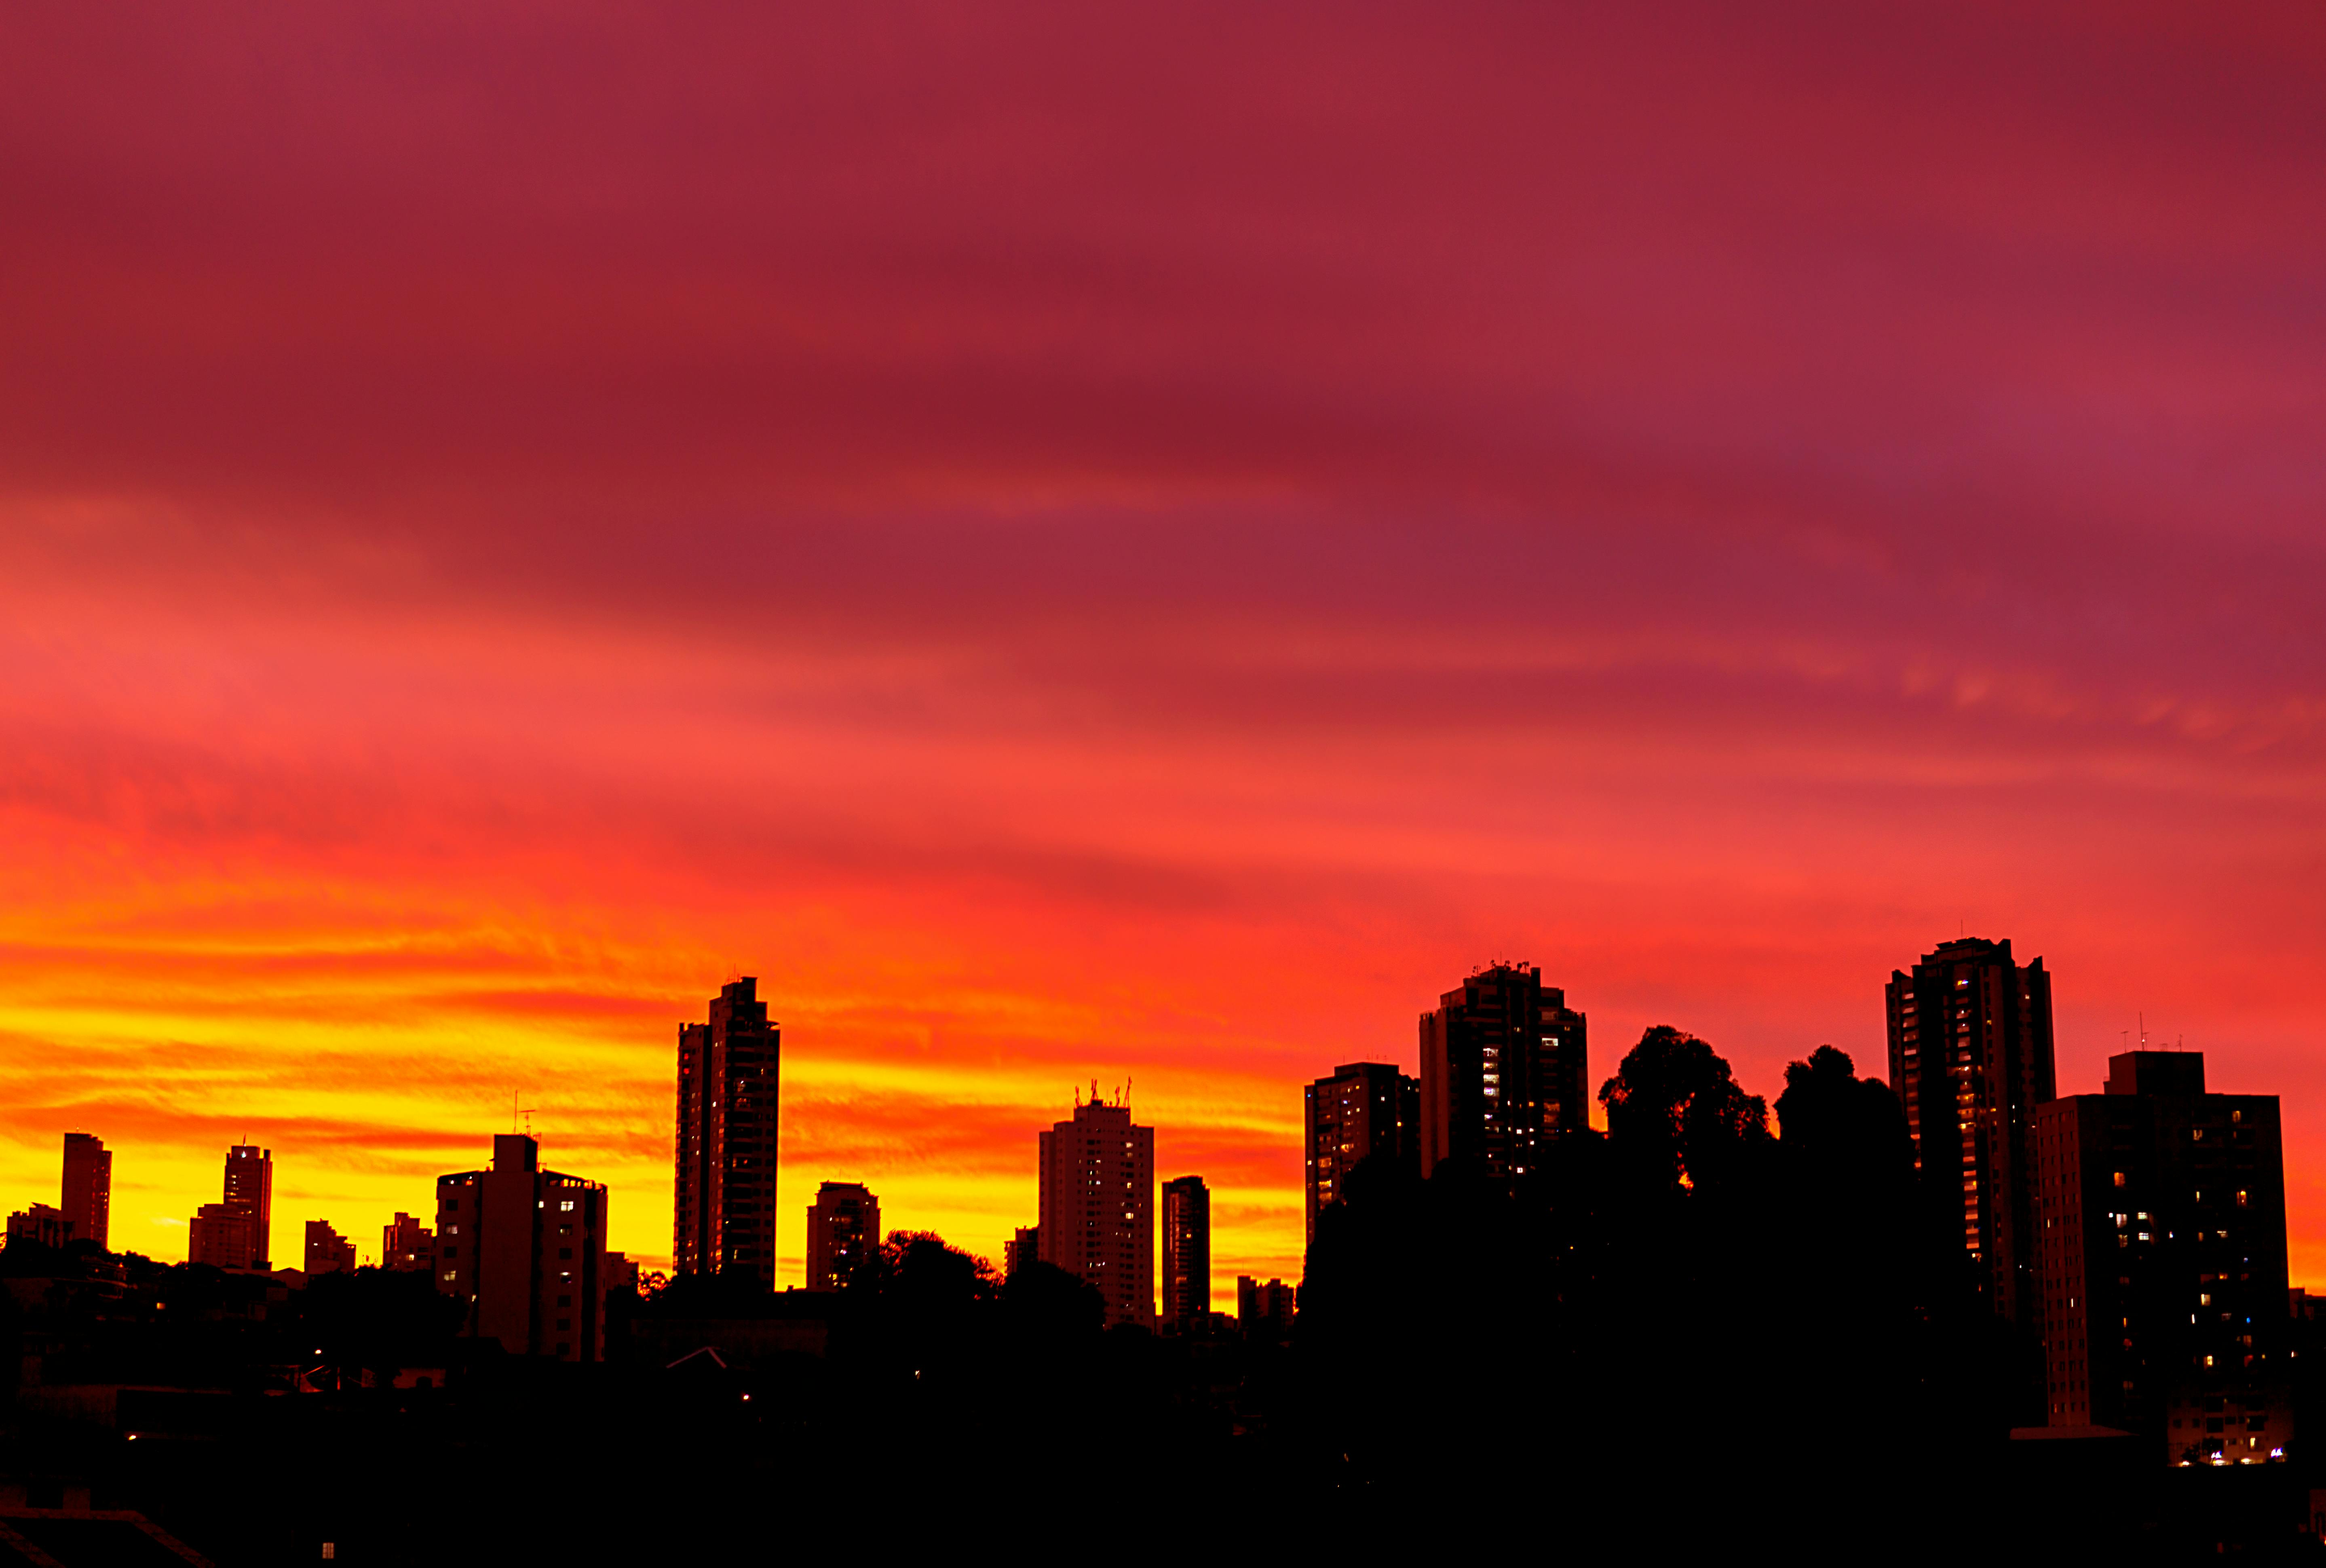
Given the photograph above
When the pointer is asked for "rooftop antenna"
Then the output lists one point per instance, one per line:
(2144, 1029)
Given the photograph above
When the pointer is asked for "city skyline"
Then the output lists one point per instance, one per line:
(1967, 954)
(880, 734)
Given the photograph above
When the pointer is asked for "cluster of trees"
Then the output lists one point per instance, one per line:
(1692, 1283)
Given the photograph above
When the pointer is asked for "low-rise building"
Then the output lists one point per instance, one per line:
(1266, 1311)
(328, 1252)
(40, 1226)
(406, 1246)
(524, 1248)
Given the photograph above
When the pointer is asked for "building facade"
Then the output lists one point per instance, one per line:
(2163, 1259)
(843, 1230)
(724, 1191)
(1970, 1056)
(40, 1226)
(328, 1252)
(1186, 1252)
(1504, 1072)
(523, 1249)
(1365, 1109)
(1097, 1219)
(1266, 1310)
(1024, 1246)
(406, 1246)
(222, 1236)
(88, 1196)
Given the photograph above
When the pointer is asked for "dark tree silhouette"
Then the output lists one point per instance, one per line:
(1046, 1307)
(1677, 1116)
(1845, 1124)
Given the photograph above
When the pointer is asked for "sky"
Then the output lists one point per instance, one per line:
(1077, 544)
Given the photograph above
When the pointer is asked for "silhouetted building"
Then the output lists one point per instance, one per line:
(1970, 1056)
(1504, 1071)
(222, 1236)
(88, 1197)
(1186, 1252)
(1097, 1219)
(725, 1190)
(524, 1248)
(1023, 1247)
(843, 1230)
(1365, 1109)
(250, 1187)
(236, 1233)
(621, 1275)
(328, 1252)
(2164, 1263)
(406, 1246)
(40, 1226)
(1265, 1310)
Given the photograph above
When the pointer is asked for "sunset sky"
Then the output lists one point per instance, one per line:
(1073, 546)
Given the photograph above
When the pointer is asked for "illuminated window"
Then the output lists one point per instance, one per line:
(2120, 1178)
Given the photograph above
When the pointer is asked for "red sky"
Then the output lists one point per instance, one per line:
(1071, 545)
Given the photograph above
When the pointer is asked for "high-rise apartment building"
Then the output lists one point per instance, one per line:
(1097, 1218)
(406, 1246)
(1365, 1109)
(88, 1197)
(725, 1188)
(1970, 1056)
(328, 1252)
(1024, 1246)
(250, 1188)
(525, 1250)
(1186, 1252)
(1504, 1072)
(2161, 1217)
(843, 1230)
(237, 1233)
